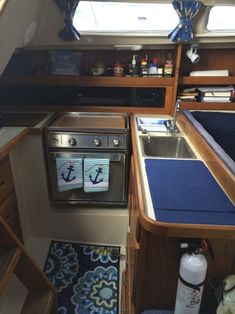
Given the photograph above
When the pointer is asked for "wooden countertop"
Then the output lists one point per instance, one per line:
(10, 136)
(170, 229)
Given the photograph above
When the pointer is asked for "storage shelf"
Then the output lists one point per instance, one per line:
(110, 81)
(207, 80)
(104, 81)
(208, 105)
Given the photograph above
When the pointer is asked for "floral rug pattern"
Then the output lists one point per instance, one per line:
(86, 277)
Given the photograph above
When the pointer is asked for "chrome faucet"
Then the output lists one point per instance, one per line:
(144, 131)
(171, 123)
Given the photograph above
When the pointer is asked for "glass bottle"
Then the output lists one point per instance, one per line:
(133, 69)
(153, 68)
(168, 68)
(144, 67)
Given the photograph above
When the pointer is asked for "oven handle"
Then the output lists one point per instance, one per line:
(111, 157)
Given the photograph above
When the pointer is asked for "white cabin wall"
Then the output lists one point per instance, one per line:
(51, 23)
(14, 21)
(40, 219)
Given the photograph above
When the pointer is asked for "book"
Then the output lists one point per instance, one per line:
(189, 90)
(186, 97)
(210, 73)
(217, 94)
(215, 99)
(188, 93)
(215, 88)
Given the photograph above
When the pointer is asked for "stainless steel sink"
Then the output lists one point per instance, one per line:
(169, 147)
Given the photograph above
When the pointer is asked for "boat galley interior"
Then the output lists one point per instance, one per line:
(117, 157)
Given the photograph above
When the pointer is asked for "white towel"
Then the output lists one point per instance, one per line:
(69, 173)
(96, 174)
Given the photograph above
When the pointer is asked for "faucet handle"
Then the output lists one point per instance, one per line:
(167, 124)
(177, 105)
(170, 126)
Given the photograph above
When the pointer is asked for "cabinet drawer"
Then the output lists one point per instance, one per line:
(9, 212)
(6, 179)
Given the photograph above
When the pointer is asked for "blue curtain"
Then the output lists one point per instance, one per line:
(69, 32)
(186, 9)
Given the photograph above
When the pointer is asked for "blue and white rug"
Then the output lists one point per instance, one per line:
(86, 277)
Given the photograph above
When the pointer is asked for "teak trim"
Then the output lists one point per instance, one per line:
(5, 150)
(177, 71)
(103, 81)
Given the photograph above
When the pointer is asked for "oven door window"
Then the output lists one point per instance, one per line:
(116, 193)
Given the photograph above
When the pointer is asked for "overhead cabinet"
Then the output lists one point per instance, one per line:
(95, 83)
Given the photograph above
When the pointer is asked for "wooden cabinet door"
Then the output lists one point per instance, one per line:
(8, 202)
(6, 180)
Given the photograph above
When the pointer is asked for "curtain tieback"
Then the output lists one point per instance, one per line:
(185, 22)
(68, 22)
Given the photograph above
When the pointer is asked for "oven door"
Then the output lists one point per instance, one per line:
(117, 186)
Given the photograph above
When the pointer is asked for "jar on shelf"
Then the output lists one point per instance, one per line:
(98, 69)
(118, 69)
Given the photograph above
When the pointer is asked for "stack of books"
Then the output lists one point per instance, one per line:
(188, 94)
(208, 94)
(215, 93)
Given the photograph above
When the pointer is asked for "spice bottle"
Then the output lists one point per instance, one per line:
(153, 68)
(168, 68)
(133, 70)
(160, 71)
(144, 67)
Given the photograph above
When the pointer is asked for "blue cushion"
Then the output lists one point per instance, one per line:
(222, 154)
(184, 191)
(221, 126)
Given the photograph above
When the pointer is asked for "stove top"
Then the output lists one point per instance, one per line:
(88, 130)
(89, 121)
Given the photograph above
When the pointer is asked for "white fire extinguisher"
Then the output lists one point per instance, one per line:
(192, 274)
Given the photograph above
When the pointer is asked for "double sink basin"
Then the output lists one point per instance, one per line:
(166, 147)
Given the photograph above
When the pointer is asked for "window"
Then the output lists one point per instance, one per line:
(221, 18)
(121, 17)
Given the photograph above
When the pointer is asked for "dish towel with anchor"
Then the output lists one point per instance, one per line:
(69, 173)
(96, 174)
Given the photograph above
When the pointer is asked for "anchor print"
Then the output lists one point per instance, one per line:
(68, 179)
(95, 181)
